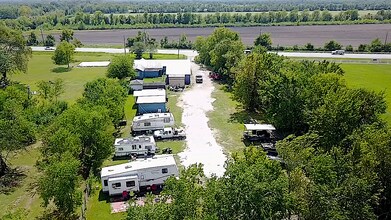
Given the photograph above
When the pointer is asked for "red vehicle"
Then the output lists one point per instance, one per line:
(214, 76)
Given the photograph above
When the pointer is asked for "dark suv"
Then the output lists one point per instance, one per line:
(199, 79)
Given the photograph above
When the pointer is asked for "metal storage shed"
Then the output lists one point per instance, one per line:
(136, 85)
(151, 104)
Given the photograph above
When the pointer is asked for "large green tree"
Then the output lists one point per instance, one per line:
(60, 185)
(250, 72)
(121, 67)
(16, 131)
(108, 93)
(263, 40)
(14, 54)
(85, 132)
(63, 55)
(221, 50)
(66, 35)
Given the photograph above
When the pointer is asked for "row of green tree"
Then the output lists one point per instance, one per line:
(265, 40)
(99, 20)
(335, 147)
(34, 8)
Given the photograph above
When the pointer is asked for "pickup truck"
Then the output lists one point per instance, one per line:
(170, 133)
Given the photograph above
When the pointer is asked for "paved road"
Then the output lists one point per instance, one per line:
(192, 53)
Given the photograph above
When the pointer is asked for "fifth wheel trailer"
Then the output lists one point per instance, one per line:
(138, 176)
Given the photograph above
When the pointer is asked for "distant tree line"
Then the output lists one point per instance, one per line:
(67, 8)
(101, 20)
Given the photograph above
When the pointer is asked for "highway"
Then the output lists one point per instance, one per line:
(192, 53)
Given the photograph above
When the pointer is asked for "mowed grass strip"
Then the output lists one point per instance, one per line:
(224, 121)
(375, 77)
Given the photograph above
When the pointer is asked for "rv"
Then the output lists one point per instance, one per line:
(147, 123)
(140, 145)
(140, 175)
(259, 132)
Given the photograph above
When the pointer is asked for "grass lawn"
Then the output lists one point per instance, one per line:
(223, 120)
(373, 77)
(23, 196)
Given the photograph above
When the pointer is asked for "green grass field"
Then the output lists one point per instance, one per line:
(373, 77)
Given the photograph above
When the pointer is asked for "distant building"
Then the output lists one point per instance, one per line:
(136, 85)
(151, 104)
(176, 70)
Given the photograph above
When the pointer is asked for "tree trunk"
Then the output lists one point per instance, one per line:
(150, 55)
(3, 167)
(68, 66)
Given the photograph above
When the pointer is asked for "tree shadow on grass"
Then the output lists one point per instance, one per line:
(61, 69)
(246, 117)
(11, 180)
(50, 214)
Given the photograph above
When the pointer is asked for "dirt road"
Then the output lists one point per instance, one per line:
(201, 145)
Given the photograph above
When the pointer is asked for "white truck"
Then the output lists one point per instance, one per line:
(140, 175)
(338, 52)
(147, 123)
(140, 145)
(170, 133)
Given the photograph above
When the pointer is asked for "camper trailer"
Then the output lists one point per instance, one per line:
(140, 145)
(140, 175)
(147, 123)
(259, 132)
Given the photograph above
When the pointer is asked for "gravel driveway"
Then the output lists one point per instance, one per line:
(201, 145)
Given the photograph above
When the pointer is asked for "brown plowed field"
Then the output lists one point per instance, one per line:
(281, 35)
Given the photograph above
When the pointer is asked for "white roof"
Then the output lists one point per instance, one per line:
(139, 164)
(173, 67)
(149, 92)
(152, 115)
(150, 99)
(259, 127)
(125, 141)
(94, 64)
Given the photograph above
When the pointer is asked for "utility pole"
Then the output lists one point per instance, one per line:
(43, 41)
(124, 46)
(385, 41)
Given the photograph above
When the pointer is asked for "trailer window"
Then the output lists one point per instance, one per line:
(147, 124)
(130, 183)
(105, 183)
(116, 185)
(164, 170)
(166, 120)
(120, 148)
(134, 147)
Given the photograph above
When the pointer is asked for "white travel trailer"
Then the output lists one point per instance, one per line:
(147, 123)
(138, 176)
(140, 145)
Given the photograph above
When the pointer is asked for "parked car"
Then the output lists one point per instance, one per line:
(199, 79)
(338, 52)
(170, 133)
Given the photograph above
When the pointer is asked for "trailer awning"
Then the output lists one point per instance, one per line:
(259, 127)
(115, 179)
